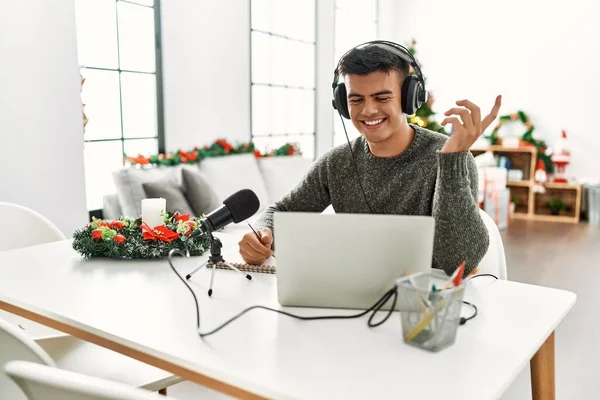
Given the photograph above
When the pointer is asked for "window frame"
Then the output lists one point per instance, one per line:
(158, 72)
(314, 88)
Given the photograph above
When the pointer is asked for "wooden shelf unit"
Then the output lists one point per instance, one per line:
(531, 205)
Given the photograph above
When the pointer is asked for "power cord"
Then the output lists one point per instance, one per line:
(392, 293)
(464, 320)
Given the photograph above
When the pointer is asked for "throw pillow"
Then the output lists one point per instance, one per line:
(173, 194)
(228, 174)
(200, 195)
(282, 174)
(130, 192)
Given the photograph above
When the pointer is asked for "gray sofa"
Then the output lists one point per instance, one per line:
(270, 178)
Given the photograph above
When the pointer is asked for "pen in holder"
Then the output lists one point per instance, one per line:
(430, 316)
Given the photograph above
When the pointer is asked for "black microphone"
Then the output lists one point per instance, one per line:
(236, 208)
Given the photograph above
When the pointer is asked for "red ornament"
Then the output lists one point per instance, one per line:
(141, 160)
(97, 234)
(120, 239)
(116, 225)
(225, 145)
(192, 224)
(182, 217)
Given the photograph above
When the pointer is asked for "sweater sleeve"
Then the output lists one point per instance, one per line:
(311, 194)
(460, 233)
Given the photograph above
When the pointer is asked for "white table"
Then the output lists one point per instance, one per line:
(141, 309)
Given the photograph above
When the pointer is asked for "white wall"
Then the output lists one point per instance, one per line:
(541, 56)
(206, 71)
(41, 166)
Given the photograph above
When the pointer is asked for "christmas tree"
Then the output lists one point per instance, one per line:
(424, 116)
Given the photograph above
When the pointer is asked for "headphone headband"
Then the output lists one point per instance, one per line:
(392, 47)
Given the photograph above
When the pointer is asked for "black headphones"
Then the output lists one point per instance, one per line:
(413, 92)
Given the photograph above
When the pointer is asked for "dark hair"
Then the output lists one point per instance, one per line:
(369, 59)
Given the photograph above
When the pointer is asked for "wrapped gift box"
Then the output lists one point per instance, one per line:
(491, 179)
(497, 205)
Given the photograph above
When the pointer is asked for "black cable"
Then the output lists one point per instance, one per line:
(177, 251)
(393, 292)
(355, 165)
(464, 320)
(480, 275)
(375, 307)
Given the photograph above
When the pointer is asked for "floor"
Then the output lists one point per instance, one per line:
(564, 256)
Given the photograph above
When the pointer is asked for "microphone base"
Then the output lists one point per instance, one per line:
(213, 261)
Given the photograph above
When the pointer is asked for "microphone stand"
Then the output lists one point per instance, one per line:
(215, 259)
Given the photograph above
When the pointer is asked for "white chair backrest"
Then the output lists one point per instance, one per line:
(16, 345)
(25, 227)
(494, 261)
(47, 383)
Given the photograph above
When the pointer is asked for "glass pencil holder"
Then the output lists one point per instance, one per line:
(429, 309)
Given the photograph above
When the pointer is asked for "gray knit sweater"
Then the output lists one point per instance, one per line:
(420, 181)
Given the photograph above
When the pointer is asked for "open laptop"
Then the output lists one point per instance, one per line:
(347, 260)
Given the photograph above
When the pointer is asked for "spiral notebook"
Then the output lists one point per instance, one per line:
(264, 269)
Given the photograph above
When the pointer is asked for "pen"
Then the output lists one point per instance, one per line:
(256, 234)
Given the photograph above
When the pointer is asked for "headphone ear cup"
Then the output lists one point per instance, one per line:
(340, 101)
(410, 94)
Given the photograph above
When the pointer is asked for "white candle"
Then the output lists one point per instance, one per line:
(151, 209)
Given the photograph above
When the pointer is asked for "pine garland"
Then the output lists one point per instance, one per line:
(130, 239)
(219, 148)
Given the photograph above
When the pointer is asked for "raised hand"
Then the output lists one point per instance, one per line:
(465, 134)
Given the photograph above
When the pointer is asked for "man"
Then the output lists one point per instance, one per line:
(404, 169)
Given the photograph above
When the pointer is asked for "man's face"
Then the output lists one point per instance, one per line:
(374, 104)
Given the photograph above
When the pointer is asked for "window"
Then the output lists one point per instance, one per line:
(120, 62)
(282, 34)
(355, 23)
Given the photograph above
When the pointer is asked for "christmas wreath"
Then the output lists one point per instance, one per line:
(220, 147)
(132, 239)
(527, 137)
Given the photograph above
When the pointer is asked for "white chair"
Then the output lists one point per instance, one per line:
(27, 227)
(30, 228)
(41, 382)
(15, 345)
(494, 260)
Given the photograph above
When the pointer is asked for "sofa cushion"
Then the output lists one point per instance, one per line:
(282, 174)
(172, 193)
(228, 174)
(129, 181)
(200, 195)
